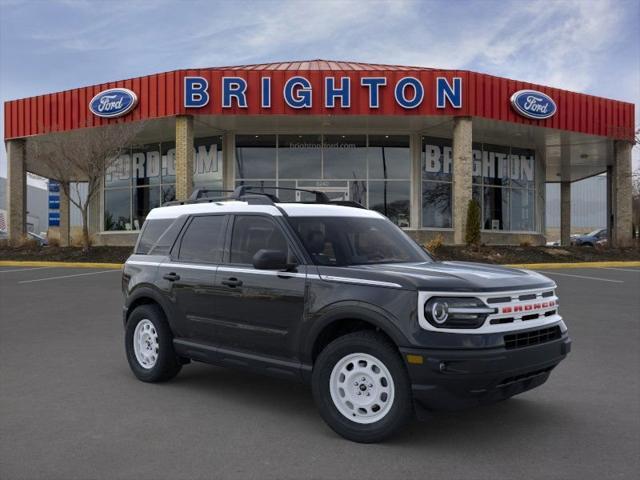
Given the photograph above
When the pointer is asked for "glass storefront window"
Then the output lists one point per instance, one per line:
(118, 174)
(117, 209)
(255, 156)
(495, 165)
(345, 157)
(522, 167)
(437, 161)
(207, 163)
(299, 156)
(144, 199)
(146, 163)
(522, 209)
(168, 162)
(389, 157)
(496, 208)
(436, 204)
(392, 199)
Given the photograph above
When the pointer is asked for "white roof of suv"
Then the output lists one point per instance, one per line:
(234, 206)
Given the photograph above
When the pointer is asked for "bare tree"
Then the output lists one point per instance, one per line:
(82, 156)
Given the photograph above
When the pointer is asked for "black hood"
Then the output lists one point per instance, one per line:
(451, 276)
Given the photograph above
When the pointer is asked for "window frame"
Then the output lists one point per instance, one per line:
(177, 245)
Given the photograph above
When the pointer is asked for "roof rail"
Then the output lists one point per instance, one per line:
(202, 192)
(321, 197)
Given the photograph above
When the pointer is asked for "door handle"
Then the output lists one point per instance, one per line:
(232, 282)
(172, 276)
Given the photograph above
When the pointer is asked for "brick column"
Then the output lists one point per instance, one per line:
(16, 191)
(462, 175)
(565, 213)
(184, 156)
(621, 184)
(228, 161)
(416, 181)
(65, 217)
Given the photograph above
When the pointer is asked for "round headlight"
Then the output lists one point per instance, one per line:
(439, 311)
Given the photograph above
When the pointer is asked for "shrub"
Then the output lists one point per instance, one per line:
(472, 233)
(525, 243)
(435, 243)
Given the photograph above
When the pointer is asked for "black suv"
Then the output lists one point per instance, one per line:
(337, 296)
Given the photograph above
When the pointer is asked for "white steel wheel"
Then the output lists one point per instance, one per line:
(145, 344)
(362, 388)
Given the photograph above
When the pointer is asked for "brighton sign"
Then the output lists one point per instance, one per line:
(533, 104)
(113, 103)
(408, 92)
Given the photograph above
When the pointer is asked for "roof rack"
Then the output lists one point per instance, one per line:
(250, 194)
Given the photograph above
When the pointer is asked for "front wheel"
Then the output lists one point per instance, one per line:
(149, 345)
(362, 388)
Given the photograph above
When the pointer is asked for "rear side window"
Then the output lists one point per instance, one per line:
(203, 240)
(152, 231)
(252, 233)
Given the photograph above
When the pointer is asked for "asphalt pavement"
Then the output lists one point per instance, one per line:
(71, 409)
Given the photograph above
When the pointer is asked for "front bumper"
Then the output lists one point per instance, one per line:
(450, 379)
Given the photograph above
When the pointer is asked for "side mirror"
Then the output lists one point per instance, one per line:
(270, 260)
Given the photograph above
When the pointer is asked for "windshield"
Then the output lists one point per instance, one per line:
(594, 233)
(344, 241)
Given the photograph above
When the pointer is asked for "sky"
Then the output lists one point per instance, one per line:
(590, 46)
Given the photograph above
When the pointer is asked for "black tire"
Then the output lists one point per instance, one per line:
(167, 364)
(378, 346)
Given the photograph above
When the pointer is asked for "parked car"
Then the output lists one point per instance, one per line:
(40, 239)
(340, 298)
(590, 239)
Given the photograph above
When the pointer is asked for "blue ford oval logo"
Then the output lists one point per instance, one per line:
(533, 104)
(114, 102)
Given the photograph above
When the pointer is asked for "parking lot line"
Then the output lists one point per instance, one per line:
(66, 276)
(637, 270)
(24, 269)
(583, 276)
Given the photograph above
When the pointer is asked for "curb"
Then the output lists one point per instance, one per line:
(117, 266)
(29, 263)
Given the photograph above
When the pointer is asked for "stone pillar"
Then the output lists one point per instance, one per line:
(621, 184)
(462, 175)
(184, 156)
(228, 161)
(415, 148)
(65, 217)
(16, 191)
(565, 213)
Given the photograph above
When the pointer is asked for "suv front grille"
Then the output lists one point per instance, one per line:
(533, 337)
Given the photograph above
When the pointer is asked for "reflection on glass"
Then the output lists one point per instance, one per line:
(522, 210)
(496, 208)
(437, 163)
(436, 204)
(168, 162)
(345, 156)
(168, 193)
(116, 209)
(495, 165)
(392, 199)
(118, 174)
(300, 156)
(146, 164)
(144, 199)
(389, 157)
(255, 156)
(207, 163)
(522, 167)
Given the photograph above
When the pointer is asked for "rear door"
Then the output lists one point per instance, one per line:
(189, 276)
(258, 310)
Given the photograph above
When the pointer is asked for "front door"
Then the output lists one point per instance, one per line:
(257, 310)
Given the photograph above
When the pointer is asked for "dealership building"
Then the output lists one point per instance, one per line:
(416, 144)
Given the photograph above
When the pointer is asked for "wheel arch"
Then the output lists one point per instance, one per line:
(145, 296)
(343, 319)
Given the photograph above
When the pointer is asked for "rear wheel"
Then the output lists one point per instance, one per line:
(361, 387)
(149, 345)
